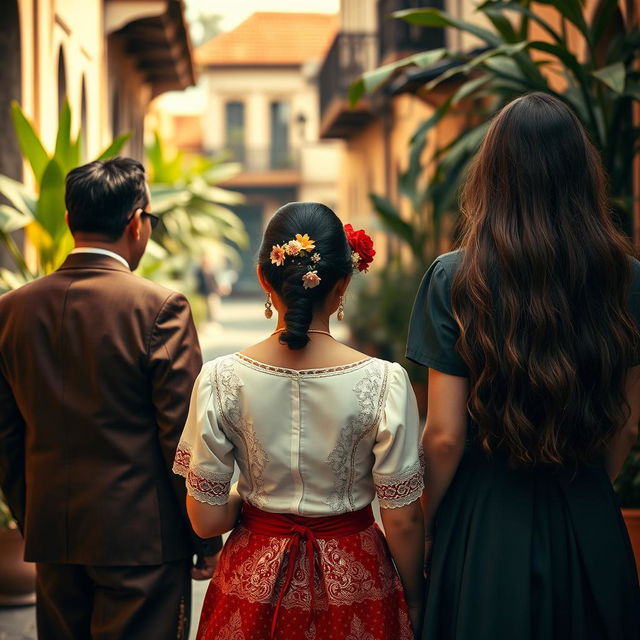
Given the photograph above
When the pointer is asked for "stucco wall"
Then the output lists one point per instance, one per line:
(76, 29)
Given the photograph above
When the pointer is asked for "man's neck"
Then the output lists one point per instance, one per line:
(86, 241)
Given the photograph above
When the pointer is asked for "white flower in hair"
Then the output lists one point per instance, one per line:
(293, 247)
(310, 279)
(315, 258)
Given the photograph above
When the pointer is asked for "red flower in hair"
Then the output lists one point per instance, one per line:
(361, 247)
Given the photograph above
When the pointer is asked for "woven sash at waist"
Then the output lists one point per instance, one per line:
(286, 524)
(301, 529)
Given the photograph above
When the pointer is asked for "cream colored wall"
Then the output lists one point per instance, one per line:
(320, 169)
(85, 60)
(77, 28)
(257, 88)
(360, 16)
(362, 171)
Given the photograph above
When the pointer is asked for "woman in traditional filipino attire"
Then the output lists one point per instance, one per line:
(530, 333)
(316, 429)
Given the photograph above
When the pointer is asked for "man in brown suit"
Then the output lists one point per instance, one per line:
(96, 370)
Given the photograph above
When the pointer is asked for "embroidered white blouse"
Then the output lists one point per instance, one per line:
(310, 442)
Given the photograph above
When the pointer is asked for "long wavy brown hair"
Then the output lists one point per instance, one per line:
(541, 296)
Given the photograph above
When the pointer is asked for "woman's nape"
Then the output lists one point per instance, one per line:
(541, 296)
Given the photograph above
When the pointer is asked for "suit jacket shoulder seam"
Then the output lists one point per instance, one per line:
(154, 326)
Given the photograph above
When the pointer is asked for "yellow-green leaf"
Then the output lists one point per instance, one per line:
(29, 142)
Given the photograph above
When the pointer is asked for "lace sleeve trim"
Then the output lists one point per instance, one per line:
(401, 489)
(204, 486)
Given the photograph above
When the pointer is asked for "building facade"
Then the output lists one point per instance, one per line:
(262, 110)
(377, 132)
(108, 58)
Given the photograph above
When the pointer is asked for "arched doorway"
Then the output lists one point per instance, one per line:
(62, 80)
(116, 125)
(10, 86)
(10, 89)
(84, 122)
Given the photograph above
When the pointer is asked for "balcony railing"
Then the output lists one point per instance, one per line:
(398, 38)
(350, 55)
(260, 159)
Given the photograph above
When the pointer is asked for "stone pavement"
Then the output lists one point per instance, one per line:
(240, 324)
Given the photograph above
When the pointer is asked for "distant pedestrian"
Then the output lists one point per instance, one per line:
(95, 367)
(530, 333)
(208, 287)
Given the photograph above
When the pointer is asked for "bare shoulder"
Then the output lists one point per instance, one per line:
(350, 353)
(257, 349)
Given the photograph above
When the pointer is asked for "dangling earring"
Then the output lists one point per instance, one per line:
(341, 309)
(268, 311)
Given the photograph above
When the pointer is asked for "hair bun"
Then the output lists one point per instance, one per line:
(303, 238)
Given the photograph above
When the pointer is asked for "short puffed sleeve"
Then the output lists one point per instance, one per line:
(634, 302)
(397, 467)
(205, 454)
(433, 331)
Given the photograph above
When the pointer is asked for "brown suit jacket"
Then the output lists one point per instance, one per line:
(96, 370)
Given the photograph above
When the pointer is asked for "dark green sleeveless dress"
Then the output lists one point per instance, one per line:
(540, 554)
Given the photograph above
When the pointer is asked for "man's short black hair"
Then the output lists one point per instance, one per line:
(101, 196)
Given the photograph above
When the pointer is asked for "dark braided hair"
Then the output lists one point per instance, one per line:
(323, 227)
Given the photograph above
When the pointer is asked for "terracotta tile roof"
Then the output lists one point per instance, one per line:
(272, 38)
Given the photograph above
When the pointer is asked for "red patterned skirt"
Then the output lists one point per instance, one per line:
(289, 577)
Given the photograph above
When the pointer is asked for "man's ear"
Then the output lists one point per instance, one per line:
(134, 227)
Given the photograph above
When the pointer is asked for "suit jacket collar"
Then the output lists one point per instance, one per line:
(92, 261)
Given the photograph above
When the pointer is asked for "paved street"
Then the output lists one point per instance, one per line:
(241, 323)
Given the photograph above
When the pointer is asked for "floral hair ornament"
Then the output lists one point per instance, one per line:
(299, 248)
(310, 279)
(362, 250)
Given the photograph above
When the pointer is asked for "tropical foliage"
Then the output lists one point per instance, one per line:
(184, 195)
(194, 213)
(523, 52)
(41, 213)
(6, 519)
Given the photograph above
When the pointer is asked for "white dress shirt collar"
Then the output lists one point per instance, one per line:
(104, 252)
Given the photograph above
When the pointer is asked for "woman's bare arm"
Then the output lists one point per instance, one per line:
(622, 442)
(210, 520)
(443, 437)
(404, 531)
